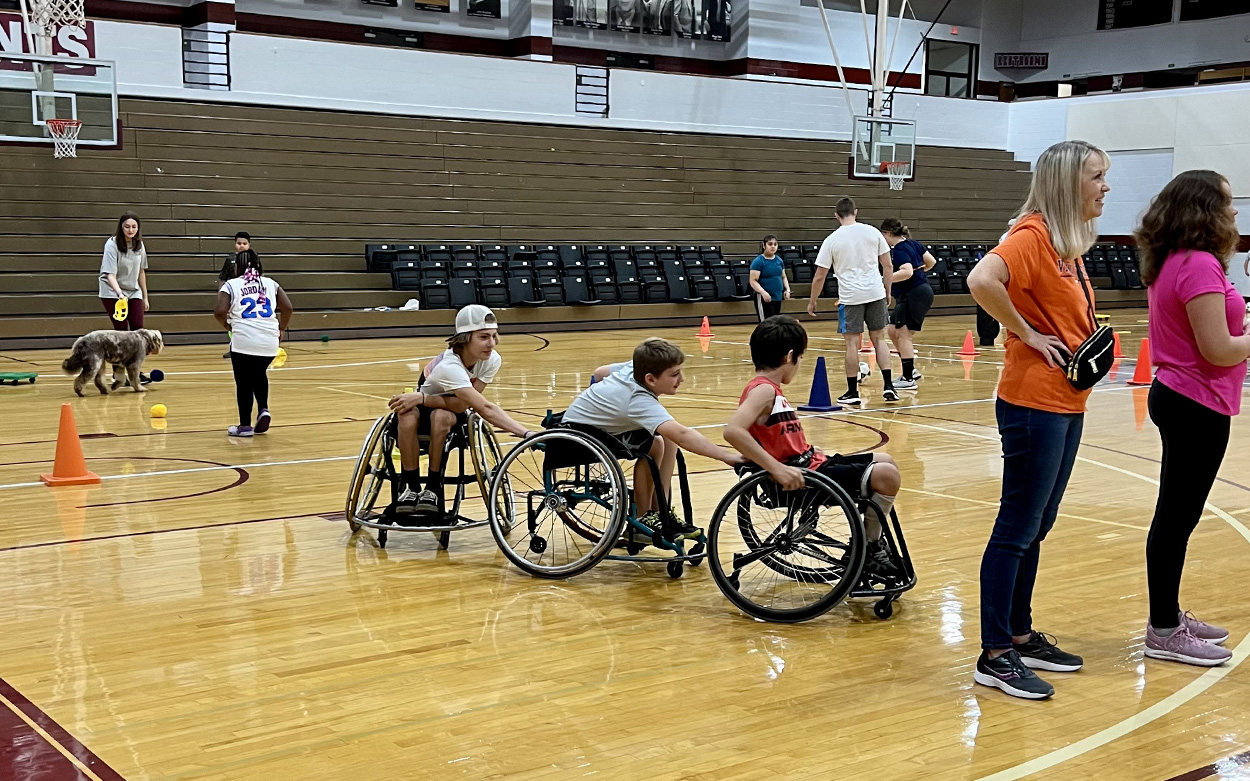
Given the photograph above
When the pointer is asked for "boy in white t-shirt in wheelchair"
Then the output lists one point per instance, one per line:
(453, 384)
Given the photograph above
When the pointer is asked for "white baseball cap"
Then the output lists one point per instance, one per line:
(475, 317)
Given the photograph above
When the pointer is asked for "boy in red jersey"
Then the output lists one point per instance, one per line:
(766, 430)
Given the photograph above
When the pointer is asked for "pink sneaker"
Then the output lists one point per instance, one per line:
(1182, 646)
(1202, 630)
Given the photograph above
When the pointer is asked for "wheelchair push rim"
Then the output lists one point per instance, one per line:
(786, 556)
(569, 517)
(487, 456)
(368, 476)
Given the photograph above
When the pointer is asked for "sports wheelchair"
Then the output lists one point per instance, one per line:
(790, 556)
(577, 507)
(377, 466)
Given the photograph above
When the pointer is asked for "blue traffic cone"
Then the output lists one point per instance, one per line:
(820, 400)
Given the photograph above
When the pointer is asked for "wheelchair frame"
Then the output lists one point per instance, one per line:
(562, 496)
(803, 539)
(376, 465)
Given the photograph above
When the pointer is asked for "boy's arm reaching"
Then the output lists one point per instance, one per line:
(688, 439)
(602, 372)
(757, 404)
(491, 411)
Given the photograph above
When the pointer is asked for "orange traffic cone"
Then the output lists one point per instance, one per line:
(69, 468)
(1118, 352)
(1142, 374)
(706, 328)
(968, 348)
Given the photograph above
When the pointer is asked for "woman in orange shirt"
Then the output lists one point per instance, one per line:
(1034, 284)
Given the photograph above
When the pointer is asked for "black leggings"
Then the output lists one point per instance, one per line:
(766, 309)
(250, 381)
(1194, 440)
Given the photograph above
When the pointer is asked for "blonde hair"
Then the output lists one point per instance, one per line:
(1055, 193)
(655, 356)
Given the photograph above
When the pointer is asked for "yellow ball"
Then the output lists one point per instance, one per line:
(158, 410)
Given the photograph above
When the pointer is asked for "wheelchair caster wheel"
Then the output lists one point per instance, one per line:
(538, 544)
(633, 549)
(884, 609)
(697, 553)
(443, 539)
(381, 538)
(674, 569)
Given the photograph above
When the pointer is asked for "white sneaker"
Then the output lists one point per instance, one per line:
(902, 383)
(427, 502)
(865, 371)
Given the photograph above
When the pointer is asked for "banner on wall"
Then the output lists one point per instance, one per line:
(716, 19)
(437, 6)
(488, 9)
(68, 41)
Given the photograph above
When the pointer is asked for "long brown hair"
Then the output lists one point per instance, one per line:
(1193, 211)
(135, 244)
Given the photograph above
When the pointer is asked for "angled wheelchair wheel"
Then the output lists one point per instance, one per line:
(570, 500)
(370, 474)
(786, 556)
(487, 455)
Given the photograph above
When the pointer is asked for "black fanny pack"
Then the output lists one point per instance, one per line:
(1093, 359)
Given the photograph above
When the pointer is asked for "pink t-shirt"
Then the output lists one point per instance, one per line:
(1187, 274)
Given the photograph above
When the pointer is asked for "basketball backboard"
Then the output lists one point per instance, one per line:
(36, 88)
(881, 140)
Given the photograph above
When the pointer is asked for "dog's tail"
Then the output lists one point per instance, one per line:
(74, 363)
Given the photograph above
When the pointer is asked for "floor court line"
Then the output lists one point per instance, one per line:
(1150, 714)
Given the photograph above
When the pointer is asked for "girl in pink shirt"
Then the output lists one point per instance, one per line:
(1198, 340)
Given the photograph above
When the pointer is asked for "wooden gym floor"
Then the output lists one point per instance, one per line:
(204, 612)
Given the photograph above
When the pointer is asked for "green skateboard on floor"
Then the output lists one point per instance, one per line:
(15, 378)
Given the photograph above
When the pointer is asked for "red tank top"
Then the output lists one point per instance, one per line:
(781, 435)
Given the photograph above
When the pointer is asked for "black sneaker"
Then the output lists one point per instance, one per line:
(1041, 653)
(878, 560)
(406, 503)
(889, 394)
(849, 398)
(1007, 672)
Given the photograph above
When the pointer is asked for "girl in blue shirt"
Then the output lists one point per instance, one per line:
(912, 295)
(768, 279)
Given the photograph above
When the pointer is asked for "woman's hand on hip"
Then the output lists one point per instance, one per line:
(1051, 347)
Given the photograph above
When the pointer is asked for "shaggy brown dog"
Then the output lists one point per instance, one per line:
(93, 352)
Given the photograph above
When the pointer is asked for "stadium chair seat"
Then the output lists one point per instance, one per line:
(406, 277)
(741, 270)
(464, 269)
(1119, 279)
(464, 252)
(713, 259)
(577, 290)
(524, 252)
(495, 253)
(462, 292)
(679, 288)
(550, 288)
(629, 290)
(523, 292)
(435, 294)
(571, 256)
(726, 287)
(654, 287)
(439, 252)
(605, 290)
(494, 290)
(831, 286)
(703, 286)
(379, 257)
(645, 259)
(435, 269)
(692, 260)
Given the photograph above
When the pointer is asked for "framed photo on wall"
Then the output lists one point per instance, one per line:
(488, 9)
(437, 6)
(717, 16)
(562, 13)
(686, 22)
(591, 14)
(657, 17)
(625, 15)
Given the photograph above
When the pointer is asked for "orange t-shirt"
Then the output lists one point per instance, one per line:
(1049, 298)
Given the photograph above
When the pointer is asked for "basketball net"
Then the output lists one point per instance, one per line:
(898, 173)
(64, 134)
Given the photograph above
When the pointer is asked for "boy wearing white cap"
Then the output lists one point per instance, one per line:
(453, 383)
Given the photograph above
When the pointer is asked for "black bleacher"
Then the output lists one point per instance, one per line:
(453, 275)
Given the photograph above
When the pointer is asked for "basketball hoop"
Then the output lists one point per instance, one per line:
(64, 134)
(898, 172)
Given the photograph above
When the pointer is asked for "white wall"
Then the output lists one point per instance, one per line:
(1068, 31)
(1135, 177)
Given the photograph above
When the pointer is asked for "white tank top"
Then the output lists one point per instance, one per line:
(253, 317)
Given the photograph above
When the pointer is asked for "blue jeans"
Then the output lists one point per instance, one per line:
(1039, 449)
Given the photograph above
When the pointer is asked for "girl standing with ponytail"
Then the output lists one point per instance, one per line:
(912, 295)
(246, 306)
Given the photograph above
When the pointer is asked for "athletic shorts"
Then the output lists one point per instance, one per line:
(853, 317)
(847, 472)
(911, 307)
(423, 424)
